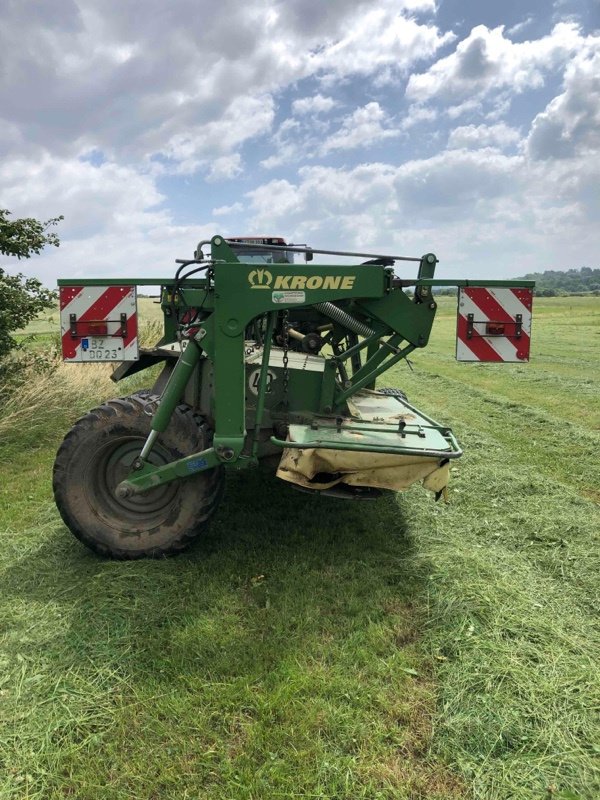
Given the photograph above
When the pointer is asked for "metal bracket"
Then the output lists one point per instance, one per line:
(123, 331)
(97, 327)
(518, 325)
(495, 327)
(470, 323)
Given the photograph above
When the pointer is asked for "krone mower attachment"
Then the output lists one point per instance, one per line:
(262, 360)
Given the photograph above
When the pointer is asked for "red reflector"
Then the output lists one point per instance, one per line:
(495, 329)
(92, 328)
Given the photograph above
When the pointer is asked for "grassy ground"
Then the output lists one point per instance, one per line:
(394, 649)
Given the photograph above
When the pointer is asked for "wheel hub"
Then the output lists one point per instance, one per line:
(112, 465)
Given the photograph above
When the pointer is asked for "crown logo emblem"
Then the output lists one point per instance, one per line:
(260, 279)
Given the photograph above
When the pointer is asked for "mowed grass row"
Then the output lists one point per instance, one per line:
(514, 590)
(280, 658)
(313, 648)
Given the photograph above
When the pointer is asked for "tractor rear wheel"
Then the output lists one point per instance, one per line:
(98, 453)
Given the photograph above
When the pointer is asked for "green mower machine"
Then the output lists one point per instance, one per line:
(263, 360)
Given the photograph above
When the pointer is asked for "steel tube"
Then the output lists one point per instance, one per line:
(262, 382)
(176, 386)
(455, 452)
(342, 396)
(292, 249)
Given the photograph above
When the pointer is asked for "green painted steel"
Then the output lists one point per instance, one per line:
(233, 370)
(199, 282)
(126, 281)
(262, 382)
(485, 283)
(175, 387)
(148, 477)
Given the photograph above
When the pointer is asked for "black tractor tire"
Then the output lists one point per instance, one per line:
(98, 453)
(394, 393)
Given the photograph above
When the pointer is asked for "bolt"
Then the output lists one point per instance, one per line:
(432, 306)
(123, 492)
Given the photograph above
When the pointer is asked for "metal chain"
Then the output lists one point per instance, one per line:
(286, 371)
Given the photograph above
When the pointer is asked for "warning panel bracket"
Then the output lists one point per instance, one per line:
(97, 327)
(495, 327)
(494, 323)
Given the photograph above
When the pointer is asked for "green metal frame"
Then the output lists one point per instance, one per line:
(236, 293)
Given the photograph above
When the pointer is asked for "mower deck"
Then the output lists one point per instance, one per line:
(378, 424)
(386, 444)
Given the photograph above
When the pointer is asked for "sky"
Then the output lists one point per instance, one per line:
(466, 128)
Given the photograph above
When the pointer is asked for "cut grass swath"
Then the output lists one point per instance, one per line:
(307, 648)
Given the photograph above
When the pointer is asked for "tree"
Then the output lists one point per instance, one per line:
(21, 298)
(23, 237)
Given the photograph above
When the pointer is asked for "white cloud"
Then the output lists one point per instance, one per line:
(520, 26)
(147, 251)
(486, 213)
(98, 105)
(487, 61)
(362, 128)
(477, 136)
(224, 211)
(570, 125)
(213, 145)
(317, 104)
(115, 220)
(180, 80)
(90, 197)
(225, 168)
(292, 140)
(307, 139)
(180, 88)
(416, 115)
(382, 39)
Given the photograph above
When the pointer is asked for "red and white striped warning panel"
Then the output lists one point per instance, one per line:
(99, 323)
(494, 324)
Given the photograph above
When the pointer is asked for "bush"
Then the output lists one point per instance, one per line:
(21, 298)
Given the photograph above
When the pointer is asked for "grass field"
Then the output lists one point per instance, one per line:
(310, 648)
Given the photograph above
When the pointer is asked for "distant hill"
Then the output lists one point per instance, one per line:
(555, 282)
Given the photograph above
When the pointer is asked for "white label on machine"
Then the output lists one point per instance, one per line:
(493, 324)
(288, 297)
(99, 323)
(254, 380)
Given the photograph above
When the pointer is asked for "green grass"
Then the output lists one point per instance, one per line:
(313, 648)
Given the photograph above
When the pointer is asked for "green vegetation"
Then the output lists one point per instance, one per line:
(318, 649)
(21, 299)
(557, 283)
(554, 283)
(22, 237)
